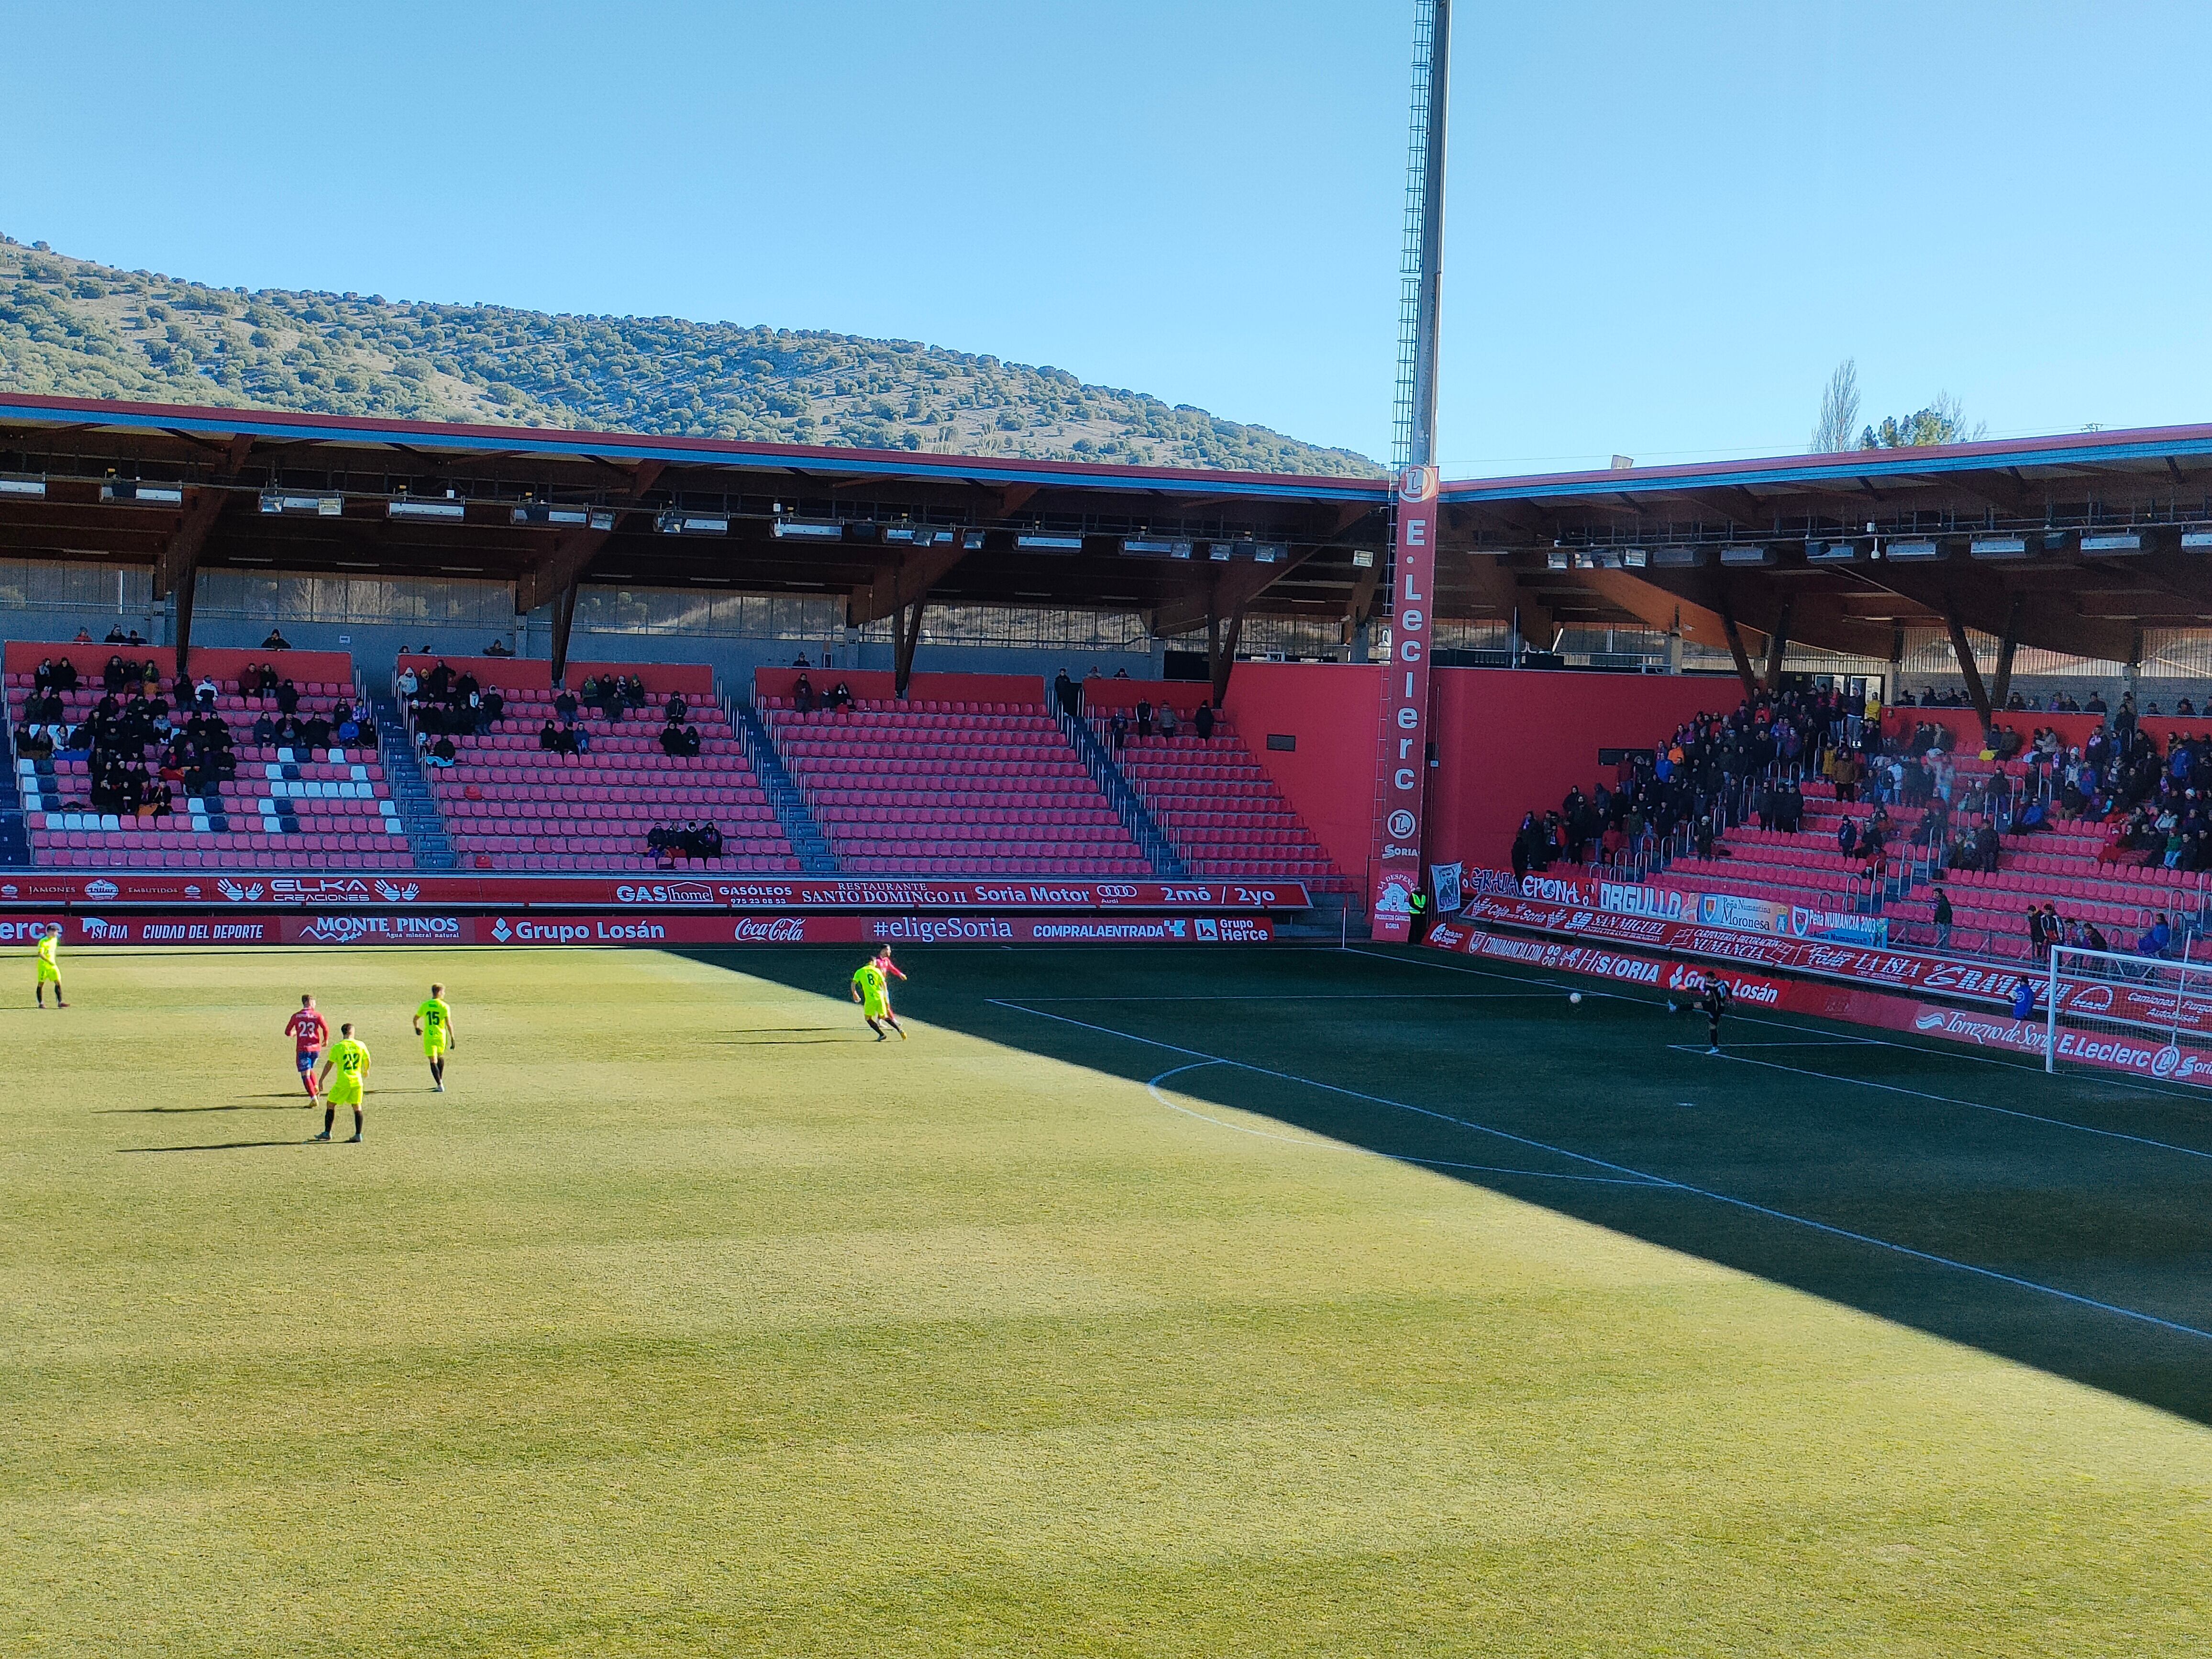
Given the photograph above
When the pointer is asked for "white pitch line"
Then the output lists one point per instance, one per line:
(1642, 1177)
(1727, 1053)
(1326, 996)
(1316, 1143)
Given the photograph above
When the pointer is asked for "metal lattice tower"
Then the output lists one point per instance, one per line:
(1420, 271)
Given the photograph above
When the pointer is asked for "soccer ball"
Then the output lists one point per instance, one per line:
(1574, 996)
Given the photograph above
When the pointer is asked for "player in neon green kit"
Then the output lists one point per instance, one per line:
(434, 1024)
(49, 968)
(348, 1065)
(874, 994)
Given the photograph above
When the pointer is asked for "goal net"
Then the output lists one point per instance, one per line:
(2104, 1011)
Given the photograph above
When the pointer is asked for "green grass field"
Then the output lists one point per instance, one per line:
(692, 1321)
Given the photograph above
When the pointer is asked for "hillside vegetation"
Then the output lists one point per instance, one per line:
(69, 327)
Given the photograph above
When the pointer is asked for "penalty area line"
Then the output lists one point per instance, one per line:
(1322, 1143)
(1638, 1177)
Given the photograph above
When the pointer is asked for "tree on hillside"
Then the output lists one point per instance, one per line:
(1943, 421)
(1839, 409)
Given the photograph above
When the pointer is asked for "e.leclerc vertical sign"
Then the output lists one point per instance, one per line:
(1404, 759)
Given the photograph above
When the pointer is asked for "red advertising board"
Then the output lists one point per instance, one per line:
(433, 927)
(1405, 735)
(2138, 1056)
(650, 892)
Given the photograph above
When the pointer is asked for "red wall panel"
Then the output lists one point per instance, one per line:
(1334, 711)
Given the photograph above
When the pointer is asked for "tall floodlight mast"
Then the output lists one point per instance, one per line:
(1402, 762)
(1420, 268)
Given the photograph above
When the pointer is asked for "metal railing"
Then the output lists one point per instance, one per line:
(1121, 795)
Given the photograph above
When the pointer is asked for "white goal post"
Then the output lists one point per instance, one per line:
(2107, 1011)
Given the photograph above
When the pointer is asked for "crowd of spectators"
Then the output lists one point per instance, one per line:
(697, 839)
(1713, 769)
(141, 742)
(2151, 801)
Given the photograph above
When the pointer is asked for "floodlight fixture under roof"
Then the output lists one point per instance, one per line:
(20, 484)
(2108, 542)
(1045, 541)
(678, 522)
(434, 509)
(301, 504)
(808, 530)
(1915, 548)
(150, 494)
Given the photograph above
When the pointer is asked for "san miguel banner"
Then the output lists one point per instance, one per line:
(658, 892)
(432, 927)
(2149, 1056)
(1405, 738)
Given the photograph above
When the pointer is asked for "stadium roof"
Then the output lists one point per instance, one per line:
(2076, 543)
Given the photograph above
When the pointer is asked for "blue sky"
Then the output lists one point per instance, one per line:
(1668, 222)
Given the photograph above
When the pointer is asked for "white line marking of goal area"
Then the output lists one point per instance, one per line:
(1875, 1042)
(1638, 1177)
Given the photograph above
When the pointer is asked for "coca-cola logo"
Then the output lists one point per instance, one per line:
(770, 930)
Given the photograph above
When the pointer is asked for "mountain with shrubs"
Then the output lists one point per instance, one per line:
(72, 328)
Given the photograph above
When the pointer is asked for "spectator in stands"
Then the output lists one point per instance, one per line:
(677, 711)
(288, 698)
(1942, 918)
(1117, 729)
(841, 696)
(206, 691)
(114, 677)
(495, 706)
(409, 685)
(439, 682)
(564, 705)
(1064, 696)
(548, 738)
(275, 641)
(33, 743)
(348, 730)
(671, 739)
(42, 679)
(802, 694)
(1847, 835)
(115, 636)
(1144, 718)
(2156, 938)
(2095, 706)
(315, 732)
(1201, 720)
(442, 752)
(801, 661)
(1168, 727)
(499, 649)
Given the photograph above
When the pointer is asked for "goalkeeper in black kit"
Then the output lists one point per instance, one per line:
(1716, 997)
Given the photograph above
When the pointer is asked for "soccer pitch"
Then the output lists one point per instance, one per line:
(1111, 1314)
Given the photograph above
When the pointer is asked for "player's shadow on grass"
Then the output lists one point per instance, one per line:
(2093, 1216)
(217, 1147)
(164, 1111)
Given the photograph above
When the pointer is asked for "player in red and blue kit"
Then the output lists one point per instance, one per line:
(311, 1032)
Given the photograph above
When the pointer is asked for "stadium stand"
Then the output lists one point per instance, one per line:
(942, 784)
(2093, 875)
(236, 800)
(1215, 802)
(509, 804)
